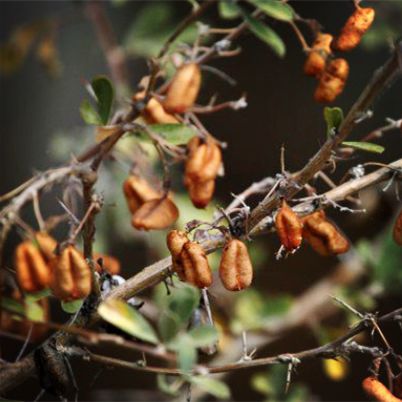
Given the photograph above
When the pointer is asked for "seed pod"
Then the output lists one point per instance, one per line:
(72, 277)
(289, 227)
(155, 214)
(316, 60)
(195, 265)
(33, 273)
(235, 269)
(183, 90)
(354, 29)
(137, 191)
(47, 245)
(109, 264)
(397, 232)
(153, 112)
(323, 236)
(375, 389)
(332, 81)
(175, 241)
(336, 369)
(201, 192)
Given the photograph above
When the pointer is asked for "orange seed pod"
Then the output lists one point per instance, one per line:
(184, 88)
(109, 264)
(201, 192)
(72, 277)
(332, 81)
(316, 60)
(155, 214)
(375, 389)
(47, 245)
(195, 265)
(33, 273)
(175, 241)
(235, 269)
(397, 231)
(137, 191)
(289, 227)
(353, 30)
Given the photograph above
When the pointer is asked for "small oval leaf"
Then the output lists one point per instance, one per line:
(104, 93)
(89, 114)
(202, 336)
(228, 10)
(275, 9)
(333, 117)
(214, 387)
(72, 307)
(365, 146)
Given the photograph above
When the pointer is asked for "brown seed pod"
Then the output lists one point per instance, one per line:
(138, 191)
(201, 192)
(195, 265)
(153, 112)
(184, 88)
(175, 241)
(155, 214)
(397, 231)
(316, 60)
(323, 236)
(72, 277)
(109, 264)
(332, 81)
(354, 29)
(235, 269)
(47, 245)
(375, 389)
(289, 227)
(33, 273)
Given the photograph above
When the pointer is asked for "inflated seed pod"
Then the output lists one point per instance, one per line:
(72, 277)
(397, 231)
(332, 81)
(289, 227)
(354, 29)
(235, 269)
(153, 112)
(33, 273)
(110, 264)
(200, 192)
(317, 58)
(138, 191)
(184, 88)
(196, 269)
(175, 241)
(155, 214)
(47, 245)
(378, 391)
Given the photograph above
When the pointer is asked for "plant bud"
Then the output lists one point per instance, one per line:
(33, 273)
(332, 81)
(47, 245)
(175, 241)
(235, 269)
(378, 391)
(138, 191)
(323, 236)
(201, 192)
(316, 60)
(354, 29)
(184, 88)
(289, 227)
(155, 214)
(72, 277)
(397, 232)
(153, 112)
(109, 264)
(195, 265)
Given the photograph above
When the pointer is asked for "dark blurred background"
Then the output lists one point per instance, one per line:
(281, 110)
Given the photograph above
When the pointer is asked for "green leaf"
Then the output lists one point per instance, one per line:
(214, 387)
(170, 388)
(89, 114)
(204, 335)
(365, 146)
(176, 134)
(228, 10)
(266, 34)
(169, 325)
(334, 117)
(128, 319)
(104, 92)
(260, 383)
(34, 312)
(31, 297)
(275, 9)
(72, 307)
(12, 306)
(187, 353)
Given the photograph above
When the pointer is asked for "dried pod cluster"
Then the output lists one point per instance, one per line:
(323, 236)
(289, 227)
(71, 276)
(317, 58)
(378, 391)
(202, 166)
(150, 209)
(354, 29)
(189, 260)
(397, 231)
